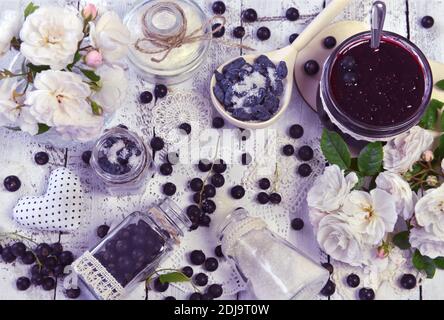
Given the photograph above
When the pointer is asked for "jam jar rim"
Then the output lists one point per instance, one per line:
(365, 129)
(170, 75)
(127, 177)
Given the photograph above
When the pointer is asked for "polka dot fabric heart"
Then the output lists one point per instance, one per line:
(62, 208)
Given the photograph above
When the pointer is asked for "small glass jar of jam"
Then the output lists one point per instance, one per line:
(274, 268)
(376, 94)
(132, 251)
(121, 160)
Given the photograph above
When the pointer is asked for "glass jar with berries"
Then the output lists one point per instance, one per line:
(132, 251)
(273, 268)
(121, 160)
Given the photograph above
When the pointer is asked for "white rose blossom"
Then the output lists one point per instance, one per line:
(337, 238)
(10, 24)
(404, 197)
(50, 36)
(403, 151)
(330, 189)
(113, 86)
(429, 212)
(371, 214)
(60, 100)
(427, 243)
(110, 36)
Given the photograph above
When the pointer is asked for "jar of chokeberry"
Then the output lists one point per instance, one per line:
(132, 251)
(274, 268)
(121, 160)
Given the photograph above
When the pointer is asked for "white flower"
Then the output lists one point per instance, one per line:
(60, 101)
(110, 36)
(403, 151)
(336, 237)
(9, 109)
(371, 214)
(330, 189)
(399, 188)
(10, 23)
(113, 86)
(27, 123)
(442, 165)
(50, 36)
(429, 212)
(427, 243)
(315, 216)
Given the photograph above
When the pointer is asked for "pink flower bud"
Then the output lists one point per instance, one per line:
(89, 12)
(427, 156)
(94, 59)
(382, 252)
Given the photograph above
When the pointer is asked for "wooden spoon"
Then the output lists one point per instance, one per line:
(287, 54)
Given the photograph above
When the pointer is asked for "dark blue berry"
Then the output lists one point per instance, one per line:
(246, 159)
(249, 15)
(12, 183)
(296, 131)
(305, 153)
(311, 67)
(218, 7)
(86, 156)
(169, 189)
(328, 266)
(28, 258)
(196, 184)
(353, 280)
(239, 32)
(23, 283)
(218, 251)
(329, 288)
(204, 221)
(297, 224)
(237, 192)
(288, 150)
(157, 143)
(188, 271)
(292, 14)
(146, 97)
(159, 286)
(201, 279)
(208, 206)
(304, 170)
(219, 166)
(218, 122)
(211, 264)
(215, 290)
(160, 91)
(169, 298)
(263, 33)
(18, 249)
(209, 191)
(102, 231)
(329, 42)
(185, 127)
(293, 37)
(275, 198)
(197, 257)
(7, 255)
(220, 33)
(427, 22)
(195, 296)
(48, 284)
(408, 281)
(204, 165)
(73, 293)
(166, 169)
(264, 184)
(263, 198)
(41, 158)
(366, 294)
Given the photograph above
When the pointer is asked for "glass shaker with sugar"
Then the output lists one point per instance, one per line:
(274, 269)
(169, 39)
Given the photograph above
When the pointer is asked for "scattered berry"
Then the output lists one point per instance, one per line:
(194, 213)
(220, 33)
(28, 258)
(204, 221)
(195, 296)
(86, 156)
(218, 251)
(102, 231)
(296, 131)
(305, 153)
(209, 191)
(293, 37)
(169, 189)
(197, 257)
(73, 293)
(264, 184)
(211, 264)
(304, 170)
(41, 158)
(427, 22)
(218, 122)
(329, 42)
(275, 198)
(263, 198)
(196, 184)
(288, 150)
(204, 165)
(246, 159)
(217, 180)
(12, 183)
(249, 15)
(166, 169)
(218, 7)
(201, 279)
(263, 33)
(208, 206)
(7, 255)
(328, 266)
(66, 258)
(160, 91)
(23, 283)
(408, 281)
(297, 224)
(353, 280)
(237, 192)
(188, 271)
(329, 288)
(366, 294)
(43, 250)
(18, 249)
(146, 97)
(157, 143)
(215, 290)
(219, 166)
(185, 127)
(48, 283)
(159, 286)
(239, 32)
(311, 67)
(292, 14)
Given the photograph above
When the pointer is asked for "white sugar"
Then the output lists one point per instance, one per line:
(112, 152)
(133, 161)
(248, 87)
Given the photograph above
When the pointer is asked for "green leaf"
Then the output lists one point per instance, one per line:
(335, 149)
(30, 9)
(439, 262)
(43, 128)
(440, 84)
(91, 75)
(96, 108)
(77, 57)
(439, 152)
(417, 260)
(424, 263)
(401, 240)
(173, 277)
(37, 69)
(361, 181)
(370, 159)
(430, 117)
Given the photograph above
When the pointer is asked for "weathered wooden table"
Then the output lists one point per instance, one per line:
(17, 149)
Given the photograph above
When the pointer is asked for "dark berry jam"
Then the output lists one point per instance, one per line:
(381, 87)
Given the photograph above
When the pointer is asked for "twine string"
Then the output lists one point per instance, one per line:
(166, 43)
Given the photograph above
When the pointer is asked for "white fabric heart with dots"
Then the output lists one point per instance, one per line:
(62, 208)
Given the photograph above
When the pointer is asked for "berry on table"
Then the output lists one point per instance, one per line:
(146, 97)
(218, 251)
(215, 290)
(195, 296)
(86, 156)
(160, 91)
(292, 14)
(311, 67)
(7, 255)
(220, 30)
(293, 37)
(275, 198)
(249, 15)
(263, 33)
(328, 266)
(41, 158)
(28, 258)
(18, 249)
(218, 7)
(288, 150)
(208, 206)
(157, 143)
(169, 189)
(353, 280)
(166, 169)
(211, 264)
(264, 184)
(263, 198)
(159, 286)
(427, 22)
(194, 213)
(239, 32)
(204, 221)
(246, 159)
(48, 283)
(188, 271)
(366, 294)
(329, 288)
(201, 279)
(408, 281)
(237, 192)
(169, 298)
(37, 279)
(204, 165)
(102, 231)
(73, 293)
(12, 183)
(66, 258)
(186, 127)
(197, 257)
(43, 250)
(23, 283)
(219, 166)
(296, 131)
(196, 184)
(209, 191)
(305, 153)
(297, 224)
(217, 180)
(329, 42)
(218, 122)
(304, 170)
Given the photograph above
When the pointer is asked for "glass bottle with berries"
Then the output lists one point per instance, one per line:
(132, 251)
(121, 160)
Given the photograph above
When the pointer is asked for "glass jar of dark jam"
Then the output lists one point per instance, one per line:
(132, 251)
(376, 94)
